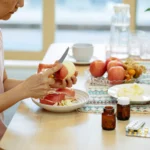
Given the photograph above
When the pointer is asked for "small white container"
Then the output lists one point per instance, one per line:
(123, 100)
(82, 52)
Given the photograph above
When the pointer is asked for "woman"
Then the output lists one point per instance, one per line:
(37, 86)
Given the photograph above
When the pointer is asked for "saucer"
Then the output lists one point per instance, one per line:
(72, 59)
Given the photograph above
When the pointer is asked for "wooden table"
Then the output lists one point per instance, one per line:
(35, 129)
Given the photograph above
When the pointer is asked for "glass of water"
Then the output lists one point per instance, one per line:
(145, 49)
(136, 41)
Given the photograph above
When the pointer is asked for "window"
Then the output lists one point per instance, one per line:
(28, 34)
(85, 21)
(142, 17)
(24, 28)
(41, 22)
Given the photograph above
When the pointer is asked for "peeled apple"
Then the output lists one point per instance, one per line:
(70, 67)
(68, 70)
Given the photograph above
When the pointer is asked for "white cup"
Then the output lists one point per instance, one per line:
(82, 52)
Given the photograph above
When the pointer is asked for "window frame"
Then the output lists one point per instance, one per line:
(48, 31)
(132, 4)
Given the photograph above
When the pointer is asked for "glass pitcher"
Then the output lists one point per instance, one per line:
(119, 32)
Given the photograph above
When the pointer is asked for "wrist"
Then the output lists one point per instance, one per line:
(23, 90)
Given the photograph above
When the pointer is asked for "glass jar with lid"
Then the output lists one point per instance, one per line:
(119, 33)
(123, 108)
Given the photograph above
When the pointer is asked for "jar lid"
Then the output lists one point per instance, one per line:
(123, 100)
(121, 7)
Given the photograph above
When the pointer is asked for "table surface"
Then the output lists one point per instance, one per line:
(33, 128)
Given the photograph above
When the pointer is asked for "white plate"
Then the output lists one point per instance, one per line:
(82, 99)
(143, 98)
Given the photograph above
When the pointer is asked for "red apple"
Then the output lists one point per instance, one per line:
(62, 73)
(68, 70)
(110, 59)
(97, 68)
(116, 75)
(113, 63)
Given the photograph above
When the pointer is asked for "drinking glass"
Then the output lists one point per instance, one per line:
(145, 49)
(136, 41)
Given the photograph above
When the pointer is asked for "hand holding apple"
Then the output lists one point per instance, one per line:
(65, 76)
(68, 70)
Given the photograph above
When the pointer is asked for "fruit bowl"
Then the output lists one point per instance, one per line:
(111, 72)
(103, 81)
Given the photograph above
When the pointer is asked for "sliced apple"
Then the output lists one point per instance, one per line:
(67, 91)
(51, 99)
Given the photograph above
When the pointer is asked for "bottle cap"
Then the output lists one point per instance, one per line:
(121, 7)
(123, 100)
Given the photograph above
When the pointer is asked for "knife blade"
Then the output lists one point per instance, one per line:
(63, 56)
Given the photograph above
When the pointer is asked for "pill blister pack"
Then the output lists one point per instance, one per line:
(137, 128)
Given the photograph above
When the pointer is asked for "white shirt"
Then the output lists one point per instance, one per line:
(2, 125)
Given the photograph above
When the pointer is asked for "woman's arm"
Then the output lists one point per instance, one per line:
(10, 83)
(11, 97)
(37, 86)
(15, 90)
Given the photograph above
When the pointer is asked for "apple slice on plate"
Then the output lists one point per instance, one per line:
(81, 99)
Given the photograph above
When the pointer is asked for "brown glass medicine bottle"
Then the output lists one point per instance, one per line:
(123, 108)
(108, 118)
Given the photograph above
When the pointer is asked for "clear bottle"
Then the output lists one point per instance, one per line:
(120, 26)
(108, 118)
(123, 108)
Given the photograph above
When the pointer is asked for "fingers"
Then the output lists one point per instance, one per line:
(64, 83)
(69, 82)
(59, 84)
(74, 79)
(52, 70)
(76, 73)
(57, 62)
(51, 81)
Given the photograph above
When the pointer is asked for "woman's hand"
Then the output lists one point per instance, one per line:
(38, 85)
(66, 82)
